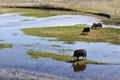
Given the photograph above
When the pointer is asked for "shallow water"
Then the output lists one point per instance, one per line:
(17, 57)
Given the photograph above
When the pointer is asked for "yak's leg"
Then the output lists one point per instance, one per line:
(91, 27)
(82, 57)
(85, 58)
(77, 57)
(95, 27)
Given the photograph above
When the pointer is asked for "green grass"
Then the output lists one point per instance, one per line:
(27, 12)
(59, 57)
(71, 34)
(36, 13)
(6, 46)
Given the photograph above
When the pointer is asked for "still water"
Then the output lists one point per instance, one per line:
(17, 57)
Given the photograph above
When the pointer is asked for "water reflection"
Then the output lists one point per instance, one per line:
(77, 67)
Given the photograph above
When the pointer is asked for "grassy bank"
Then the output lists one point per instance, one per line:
(5, 46)
(59, 57)
(84, 7)
(27, 12)
(70, 34)
(34, 13)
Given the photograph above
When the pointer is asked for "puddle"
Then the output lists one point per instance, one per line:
(16, 57)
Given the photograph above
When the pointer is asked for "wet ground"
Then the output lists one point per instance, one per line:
(17, 58)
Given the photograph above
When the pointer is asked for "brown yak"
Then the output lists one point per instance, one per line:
(95, 25)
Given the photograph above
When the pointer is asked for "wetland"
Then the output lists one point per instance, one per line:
(17, 59)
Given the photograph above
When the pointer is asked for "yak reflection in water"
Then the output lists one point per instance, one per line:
(79, 67)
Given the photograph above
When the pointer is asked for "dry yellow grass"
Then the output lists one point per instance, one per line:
(105, 6)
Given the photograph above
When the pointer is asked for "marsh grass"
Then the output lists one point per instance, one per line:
(27, 12)
(6, 46)
(37, 13)
(59, 57)
(71, 34)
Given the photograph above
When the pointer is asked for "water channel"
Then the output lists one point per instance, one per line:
(17, 57)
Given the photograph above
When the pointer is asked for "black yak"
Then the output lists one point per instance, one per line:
(86, 30)
(80, 53)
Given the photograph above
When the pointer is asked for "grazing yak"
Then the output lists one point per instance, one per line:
(95, 25)
(86, 30)
(80, 53)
